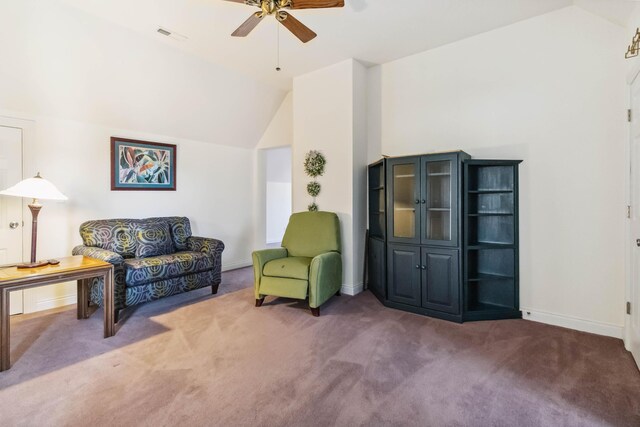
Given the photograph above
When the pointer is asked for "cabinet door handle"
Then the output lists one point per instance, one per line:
(423, 201)
(424, 267)
(417, 266)
(417, 201)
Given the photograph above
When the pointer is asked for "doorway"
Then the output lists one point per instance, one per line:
(11, 220)
(278, 200)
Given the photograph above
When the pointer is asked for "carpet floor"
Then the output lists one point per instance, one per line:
(197, 359)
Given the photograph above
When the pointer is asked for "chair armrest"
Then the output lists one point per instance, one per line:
(206, 245)
(98, 253)
(325, 278)
(260, 258)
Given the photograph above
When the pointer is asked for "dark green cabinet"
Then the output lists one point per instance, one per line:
(404, 274)
(440, 280)
(444, 235)
(423, 199)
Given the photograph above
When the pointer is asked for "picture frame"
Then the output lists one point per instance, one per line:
(142, 165)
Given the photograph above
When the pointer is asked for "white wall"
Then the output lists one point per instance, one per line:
(75, 156)
(549, 91)
(61, 62)
(279, 133)
(329, 116)
(80, 80)
(359, 167)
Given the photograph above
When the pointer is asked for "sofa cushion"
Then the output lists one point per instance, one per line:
(153, 238)
(115, 235)
(180, 230)
(141, 271)
(291, 268)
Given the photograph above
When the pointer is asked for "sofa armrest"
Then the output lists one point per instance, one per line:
(206, 245)
(260, 258)
(98, 253)
(325, 278)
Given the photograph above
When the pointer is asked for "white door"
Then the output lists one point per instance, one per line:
(11, 207)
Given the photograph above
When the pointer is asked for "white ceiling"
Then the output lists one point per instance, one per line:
(372, 31)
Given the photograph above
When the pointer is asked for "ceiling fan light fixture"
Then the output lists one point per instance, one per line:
(274, 7)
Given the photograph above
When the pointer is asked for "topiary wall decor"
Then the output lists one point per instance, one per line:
(314, 163)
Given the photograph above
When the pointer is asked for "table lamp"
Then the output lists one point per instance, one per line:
(35, 188)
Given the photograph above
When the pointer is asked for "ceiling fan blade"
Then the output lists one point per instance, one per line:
(248, 25)
(315, 4)
(298, 29)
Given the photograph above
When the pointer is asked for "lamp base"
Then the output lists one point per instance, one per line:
(38, 263)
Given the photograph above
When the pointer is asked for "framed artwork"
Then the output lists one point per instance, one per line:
(142, 165)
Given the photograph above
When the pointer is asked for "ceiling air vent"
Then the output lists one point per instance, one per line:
(172, 34)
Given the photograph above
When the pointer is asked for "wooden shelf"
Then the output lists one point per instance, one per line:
(439, 174)
(376, 188)
(439, 209)
(487, 191)
(404, 176)
(480, 246)
(491, 214)
(481, 277)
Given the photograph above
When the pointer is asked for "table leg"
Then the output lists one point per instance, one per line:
(109, 326)
(5, 345)
(83, 298)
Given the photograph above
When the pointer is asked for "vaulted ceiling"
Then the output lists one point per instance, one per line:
(372, 31)
(102, 61)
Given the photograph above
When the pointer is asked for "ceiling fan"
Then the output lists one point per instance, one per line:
(274, 7)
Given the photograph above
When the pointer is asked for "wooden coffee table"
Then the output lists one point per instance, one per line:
(78, 268)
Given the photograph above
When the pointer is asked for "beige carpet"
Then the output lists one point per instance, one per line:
(197, 359)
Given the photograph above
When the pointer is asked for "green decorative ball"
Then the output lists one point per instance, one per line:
(313, 188)
(313, 207)
(314, 163)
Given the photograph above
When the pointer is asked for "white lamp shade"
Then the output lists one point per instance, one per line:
(34, 188)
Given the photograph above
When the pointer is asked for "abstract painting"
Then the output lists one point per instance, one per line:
(142, 165)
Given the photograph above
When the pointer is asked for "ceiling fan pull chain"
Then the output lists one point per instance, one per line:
(278, 47)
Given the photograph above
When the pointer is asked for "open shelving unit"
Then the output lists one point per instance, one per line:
(491, 240)
(377, 201)
(377, 229)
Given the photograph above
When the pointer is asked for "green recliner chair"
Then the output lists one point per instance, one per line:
(308, 264)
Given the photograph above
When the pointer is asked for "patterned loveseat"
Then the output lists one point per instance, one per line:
(152, 258)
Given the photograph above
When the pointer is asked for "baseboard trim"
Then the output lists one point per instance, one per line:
(227, 266)
(49, 303)
(352, 289)
(598, 328)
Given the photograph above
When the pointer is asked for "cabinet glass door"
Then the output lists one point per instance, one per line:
(404, 200)
(439, 201)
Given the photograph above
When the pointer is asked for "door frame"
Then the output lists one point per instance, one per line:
(28, 128)
(628, 292)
